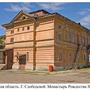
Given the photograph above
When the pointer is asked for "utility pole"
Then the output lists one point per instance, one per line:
(77, 53)
(79, 47)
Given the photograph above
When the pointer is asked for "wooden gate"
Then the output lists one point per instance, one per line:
(9, 58)
(22, 61)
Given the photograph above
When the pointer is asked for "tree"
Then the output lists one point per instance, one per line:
(2, 41)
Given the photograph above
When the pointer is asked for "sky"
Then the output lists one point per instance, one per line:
(78, 12)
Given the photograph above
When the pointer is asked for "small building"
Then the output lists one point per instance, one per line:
(37, 39)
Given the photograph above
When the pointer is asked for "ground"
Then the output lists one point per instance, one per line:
(26, 76)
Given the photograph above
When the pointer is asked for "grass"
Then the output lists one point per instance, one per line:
(88, 77)
(85, 69)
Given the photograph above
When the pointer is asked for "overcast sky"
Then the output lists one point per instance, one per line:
(78, 12)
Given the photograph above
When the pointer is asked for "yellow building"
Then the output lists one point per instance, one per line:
(38, 39)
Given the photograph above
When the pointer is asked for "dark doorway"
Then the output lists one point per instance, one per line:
(22, 61)
(9, 58)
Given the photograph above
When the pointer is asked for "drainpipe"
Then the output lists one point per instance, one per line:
(34, 42)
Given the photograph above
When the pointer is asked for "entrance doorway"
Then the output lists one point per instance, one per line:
(22, 61)
(9, 58)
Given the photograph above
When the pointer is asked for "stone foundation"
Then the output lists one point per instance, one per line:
(29, 66)
(15, 66)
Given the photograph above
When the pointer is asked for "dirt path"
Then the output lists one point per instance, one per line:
(70, 76)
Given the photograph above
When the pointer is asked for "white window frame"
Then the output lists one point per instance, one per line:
(89, 57)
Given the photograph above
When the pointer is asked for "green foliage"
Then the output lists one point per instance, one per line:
(85, 69)
(2, 43)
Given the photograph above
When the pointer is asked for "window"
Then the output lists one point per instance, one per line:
(28, 27)
(58, 38)
(12, 40)
(22, 28)
(18, 29)
(61, 26)
(12, 31)
(83, 41)
(71, 37)
(84, 57)
(27, 56)
(60, 56)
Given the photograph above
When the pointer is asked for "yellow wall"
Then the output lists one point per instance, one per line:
(66, 46)
(56, 41)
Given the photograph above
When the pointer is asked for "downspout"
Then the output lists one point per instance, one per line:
(34, 42)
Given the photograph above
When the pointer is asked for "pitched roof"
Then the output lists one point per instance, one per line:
(49, 14)
(72, 21)
(39, 11)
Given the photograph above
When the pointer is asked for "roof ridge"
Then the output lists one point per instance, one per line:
(39, 11)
